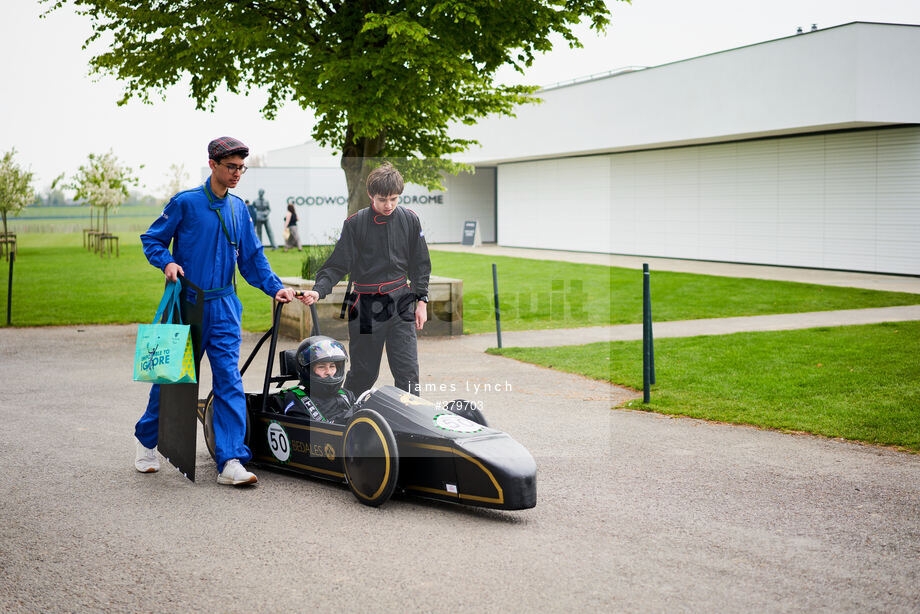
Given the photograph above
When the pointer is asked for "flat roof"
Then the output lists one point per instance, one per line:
(854, 75)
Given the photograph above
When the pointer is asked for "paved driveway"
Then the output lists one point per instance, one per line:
(636, 512)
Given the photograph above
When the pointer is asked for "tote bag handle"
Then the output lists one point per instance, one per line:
(170, 299)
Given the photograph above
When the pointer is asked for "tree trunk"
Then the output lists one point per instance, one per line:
(5, 232)
(105, 220)
(358, 155)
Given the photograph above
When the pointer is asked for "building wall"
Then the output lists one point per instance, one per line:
(842, 200)
(555, 204)
(470, 197)
(321, 201)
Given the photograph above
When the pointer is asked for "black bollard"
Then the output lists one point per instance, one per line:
(648, 353)
(651, 335)
(498, 317)
(9, 289)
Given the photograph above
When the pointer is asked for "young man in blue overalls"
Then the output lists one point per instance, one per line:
(212, 234)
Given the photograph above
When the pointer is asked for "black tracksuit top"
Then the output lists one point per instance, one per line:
(393, 247)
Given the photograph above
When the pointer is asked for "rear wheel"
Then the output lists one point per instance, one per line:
(207, 426)
(371, 458)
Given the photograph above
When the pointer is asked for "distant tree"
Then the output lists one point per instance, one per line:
(54, 194)
(385, 78)
(15, 187)
(144, 200)
(177, 179)
(103, 183)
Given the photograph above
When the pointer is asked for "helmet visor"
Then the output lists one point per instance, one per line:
(326, 350)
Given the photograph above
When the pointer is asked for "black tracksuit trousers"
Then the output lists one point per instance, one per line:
(377, 320)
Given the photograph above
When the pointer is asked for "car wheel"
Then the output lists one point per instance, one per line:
(371, 457)
(207, 426)
(467, 410)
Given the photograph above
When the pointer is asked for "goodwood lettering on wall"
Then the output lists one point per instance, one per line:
(405, 199)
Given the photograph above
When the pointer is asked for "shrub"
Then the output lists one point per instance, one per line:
(313, 258)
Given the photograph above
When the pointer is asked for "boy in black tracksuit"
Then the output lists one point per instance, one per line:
(383, 248)
(321, 369)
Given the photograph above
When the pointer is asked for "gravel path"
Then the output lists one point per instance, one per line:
(691, 328)
(636, 512)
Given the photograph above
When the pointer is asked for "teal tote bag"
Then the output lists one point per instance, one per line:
(163, 353)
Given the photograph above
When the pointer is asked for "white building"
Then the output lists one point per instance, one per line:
(802, 151)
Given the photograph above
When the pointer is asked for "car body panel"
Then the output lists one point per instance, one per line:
(442, 456)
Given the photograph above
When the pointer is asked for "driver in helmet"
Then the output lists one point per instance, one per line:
(321, 369)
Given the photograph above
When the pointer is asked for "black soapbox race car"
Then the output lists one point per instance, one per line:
(393, 441)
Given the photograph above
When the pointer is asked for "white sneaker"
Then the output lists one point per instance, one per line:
(234, 473)
(145, 459)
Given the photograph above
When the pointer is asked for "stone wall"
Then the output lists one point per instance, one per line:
(445, 310)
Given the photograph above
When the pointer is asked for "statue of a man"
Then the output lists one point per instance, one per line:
(260, 205)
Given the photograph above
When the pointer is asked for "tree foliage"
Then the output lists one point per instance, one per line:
(385, 78)
(15, 186)
(103, 182)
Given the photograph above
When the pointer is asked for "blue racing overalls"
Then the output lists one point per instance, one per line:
(210, 237)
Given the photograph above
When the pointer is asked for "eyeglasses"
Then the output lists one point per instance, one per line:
(234, 168)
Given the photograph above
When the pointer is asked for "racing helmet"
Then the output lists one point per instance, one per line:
(320, 348)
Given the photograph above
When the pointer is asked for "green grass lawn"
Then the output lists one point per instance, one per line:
(64, 220)
(538, 294)
(56, 281)
(534, 294)
(855, 382)
(82, 212)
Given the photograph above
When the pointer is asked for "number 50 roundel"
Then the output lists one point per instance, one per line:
(278, 442)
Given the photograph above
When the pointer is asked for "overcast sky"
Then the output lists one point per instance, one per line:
(54, 114)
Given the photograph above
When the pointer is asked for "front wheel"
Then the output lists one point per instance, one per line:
(371, 458)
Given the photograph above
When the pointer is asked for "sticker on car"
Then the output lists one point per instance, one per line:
(455, 423)
(278, 442)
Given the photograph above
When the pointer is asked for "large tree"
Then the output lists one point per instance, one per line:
(384, 78)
